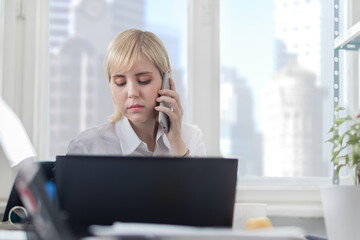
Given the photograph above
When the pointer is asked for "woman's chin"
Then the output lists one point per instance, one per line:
(137, 118)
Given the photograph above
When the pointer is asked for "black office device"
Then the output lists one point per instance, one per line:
(183, 191)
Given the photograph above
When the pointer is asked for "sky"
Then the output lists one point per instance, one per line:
(248, 46)
(241, 39)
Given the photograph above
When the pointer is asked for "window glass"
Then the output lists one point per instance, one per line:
(276, 86)
(79, 33)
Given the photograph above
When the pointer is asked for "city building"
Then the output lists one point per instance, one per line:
(298, 29)
(239, 137)
(59, 22)
(292, 123)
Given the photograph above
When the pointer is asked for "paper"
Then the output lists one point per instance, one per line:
(13, 137)
(172, 232)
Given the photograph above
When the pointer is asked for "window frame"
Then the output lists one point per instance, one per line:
(24, 66)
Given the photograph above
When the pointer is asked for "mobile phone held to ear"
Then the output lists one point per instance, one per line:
(164, 120)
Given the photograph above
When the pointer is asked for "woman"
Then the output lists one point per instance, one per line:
(135, 63)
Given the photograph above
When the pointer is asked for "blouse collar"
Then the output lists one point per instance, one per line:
(128, 139)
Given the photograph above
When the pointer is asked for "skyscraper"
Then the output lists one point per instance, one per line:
(292, 121)
(127, 14)
(293, 101)
(239, 137)
(59, 22)
(298, 29)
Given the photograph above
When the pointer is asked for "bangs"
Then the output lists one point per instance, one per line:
(129, 46)
(123, 57)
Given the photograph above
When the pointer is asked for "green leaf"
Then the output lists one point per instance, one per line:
(335, 155)
(341, 139)
(338, 108)
(353, 139)
(333, 139)
(331, 129)
(339, 121)
(347, 159)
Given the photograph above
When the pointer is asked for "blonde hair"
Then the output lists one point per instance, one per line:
(126, 48)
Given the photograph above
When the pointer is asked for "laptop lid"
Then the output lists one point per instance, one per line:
(183, 191)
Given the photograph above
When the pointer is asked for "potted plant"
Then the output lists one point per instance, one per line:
(342, 142)
(341, 202)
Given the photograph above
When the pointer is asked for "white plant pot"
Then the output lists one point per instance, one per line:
(341, 205)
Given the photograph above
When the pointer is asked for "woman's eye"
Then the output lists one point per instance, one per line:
(144, 82)
(120, 84)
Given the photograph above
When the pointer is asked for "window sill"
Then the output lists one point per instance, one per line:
(285, 197)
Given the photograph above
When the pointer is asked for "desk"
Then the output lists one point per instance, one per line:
(13, 235)
(173, 232)
(16, 232)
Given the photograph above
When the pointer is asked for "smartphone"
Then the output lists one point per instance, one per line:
(163, 119)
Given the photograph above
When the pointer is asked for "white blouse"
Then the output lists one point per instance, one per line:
(119, 138)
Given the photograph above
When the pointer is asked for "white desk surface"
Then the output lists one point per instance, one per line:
(171, 232)
(12, 235)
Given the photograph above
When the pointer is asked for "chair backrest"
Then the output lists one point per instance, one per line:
(48, 168)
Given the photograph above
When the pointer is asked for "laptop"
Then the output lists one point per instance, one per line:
(101, 190)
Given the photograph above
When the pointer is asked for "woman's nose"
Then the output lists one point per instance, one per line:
(133, 90)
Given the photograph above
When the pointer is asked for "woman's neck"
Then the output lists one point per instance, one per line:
(146, 132)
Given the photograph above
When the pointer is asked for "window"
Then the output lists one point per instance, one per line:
(79, 34)
(275, 88)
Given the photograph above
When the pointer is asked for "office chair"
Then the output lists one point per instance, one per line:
(48, 168)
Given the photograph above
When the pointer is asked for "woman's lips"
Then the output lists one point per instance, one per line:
(135, 107)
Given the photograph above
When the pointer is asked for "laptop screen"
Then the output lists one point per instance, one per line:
(183, 191)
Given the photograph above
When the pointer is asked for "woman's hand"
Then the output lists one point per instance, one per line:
(175, 115)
